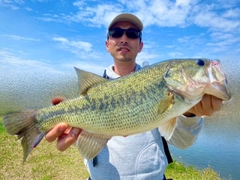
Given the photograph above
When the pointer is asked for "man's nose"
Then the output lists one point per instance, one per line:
(124, 38)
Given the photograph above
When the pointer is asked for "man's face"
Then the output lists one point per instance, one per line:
(124, 49)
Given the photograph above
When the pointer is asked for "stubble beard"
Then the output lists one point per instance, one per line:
(125, 58)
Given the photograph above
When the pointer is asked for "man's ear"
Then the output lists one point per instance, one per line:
(140, 47)
(107, 45)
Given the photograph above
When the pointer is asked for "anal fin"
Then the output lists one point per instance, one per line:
(89, 145)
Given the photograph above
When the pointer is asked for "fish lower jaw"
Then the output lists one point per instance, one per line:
(193, 101)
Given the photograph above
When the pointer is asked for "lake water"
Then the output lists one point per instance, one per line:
(219, 151)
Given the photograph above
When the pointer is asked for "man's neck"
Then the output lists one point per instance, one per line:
(124, 69)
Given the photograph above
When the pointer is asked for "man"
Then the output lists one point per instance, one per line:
(139, 156)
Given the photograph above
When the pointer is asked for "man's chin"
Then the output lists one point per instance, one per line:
(125, 59)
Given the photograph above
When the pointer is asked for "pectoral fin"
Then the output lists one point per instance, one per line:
(89, 145)
(166, 103)
(167, 128)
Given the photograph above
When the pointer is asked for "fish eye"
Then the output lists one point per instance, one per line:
(200, 62)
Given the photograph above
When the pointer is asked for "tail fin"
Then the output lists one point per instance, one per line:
(23, 124)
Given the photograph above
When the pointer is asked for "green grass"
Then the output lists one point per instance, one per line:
(44, 163)
(2, 130)
(179, 171)
(47, 163)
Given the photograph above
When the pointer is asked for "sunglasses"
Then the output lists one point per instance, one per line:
(130, 33)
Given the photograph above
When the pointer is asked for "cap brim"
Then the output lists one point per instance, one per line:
(127, 17)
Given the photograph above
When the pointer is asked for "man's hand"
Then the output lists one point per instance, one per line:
(66, 135)
(206, 107)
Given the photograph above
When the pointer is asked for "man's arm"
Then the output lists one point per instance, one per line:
(184, 130)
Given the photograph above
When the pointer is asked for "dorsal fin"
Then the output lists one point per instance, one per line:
(87, 80)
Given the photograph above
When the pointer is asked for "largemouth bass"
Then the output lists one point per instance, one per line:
(128, 105)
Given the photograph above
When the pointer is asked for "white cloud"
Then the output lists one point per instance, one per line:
(12, 61)
(226, 3)
(163, 13)
(99, 15)
(232, 13)
(147, 56)
(159, 12)
(149, 45)
(19, 1)
(222, 20)
(74, 45)
(180, 13)
(168, 13)
(223, 42)
(183, 2)
(176, 54)
(28, 9)
(11, 4)
(87, 66)
(219, 23)
(9, 59)
(170, 46)
(8, 5)
(20, 38)
(191, 41)
(84, 53)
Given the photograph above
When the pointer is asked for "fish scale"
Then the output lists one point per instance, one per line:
(83, 108)
(135, 103)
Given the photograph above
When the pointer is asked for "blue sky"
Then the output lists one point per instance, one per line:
(52, 35)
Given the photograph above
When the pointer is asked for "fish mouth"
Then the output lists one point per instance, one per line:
(218, 82)
(208, 80)
(218, 90)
